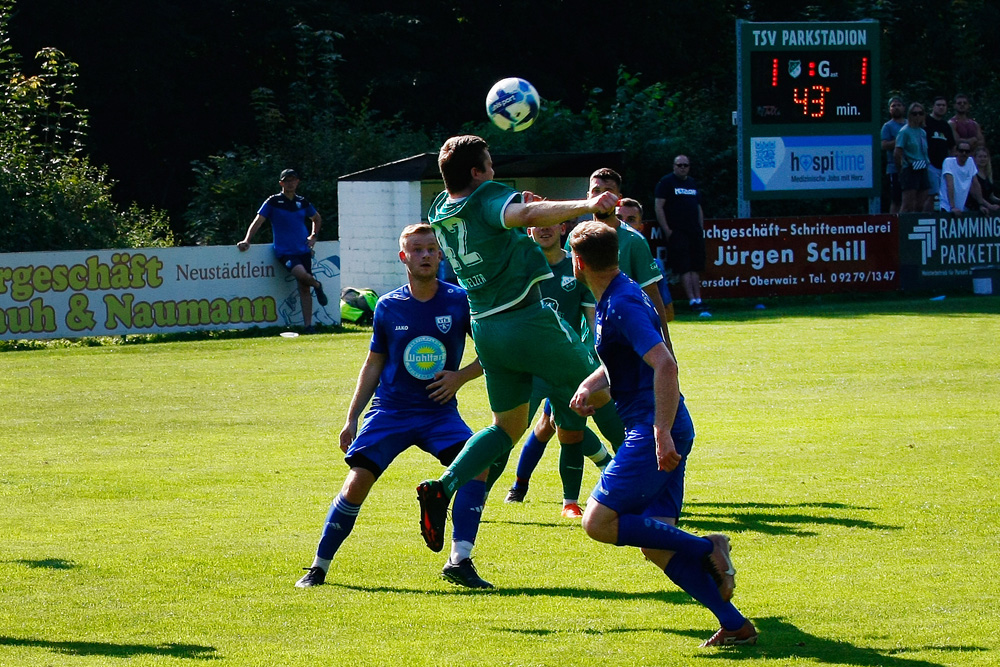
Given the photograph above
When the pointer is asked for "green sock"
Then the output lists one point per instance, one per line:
(571, 469)
(479, 453)
(496, 469)
(610, 425)
(595, 450)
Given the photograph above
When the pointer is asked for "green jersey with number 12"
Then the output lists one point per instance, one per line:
(495, 264)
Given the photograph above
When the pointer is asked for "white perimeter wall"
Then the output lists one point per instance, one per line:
(372, 214)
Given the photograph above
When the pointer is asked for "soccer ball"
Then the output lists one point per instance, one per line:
(512, 104)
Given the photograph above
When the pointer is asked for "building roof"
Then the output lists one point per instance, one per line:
(423, 167)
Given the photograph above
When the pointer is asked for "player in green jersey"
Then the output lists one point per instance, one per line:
(480, 226)
(634, 257)
(574, 303)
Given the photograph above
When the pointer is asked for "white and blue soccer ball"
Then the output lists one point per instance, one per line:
(513, 104)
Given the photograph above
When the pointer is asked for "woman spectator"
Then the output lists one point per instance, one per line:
(985, 175)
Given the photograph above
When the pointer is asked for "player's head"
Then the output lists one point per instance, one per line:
(419, 251)
(464, 159)
(605, 180)
(546, 237)
(630, 211)
(595, 248)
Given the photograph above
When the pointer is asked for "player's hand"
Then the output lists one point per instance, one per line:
(604, 203)
(347, 435)
(527, 197)
(667, 457)
(311, 240)
(243, 245)
(446, 384)
(580, 403)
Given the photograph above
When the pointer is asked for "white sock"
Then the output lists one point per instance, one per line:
(570, 501)
(323, 563)
(460, 550)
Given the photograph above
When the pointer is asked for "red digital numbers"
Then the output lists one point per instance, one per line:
(812, 100)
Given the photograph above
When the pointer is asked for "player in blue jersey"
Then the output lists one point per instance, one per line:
(638, 499)
(479, 224)
(288, 212)
(412, 370)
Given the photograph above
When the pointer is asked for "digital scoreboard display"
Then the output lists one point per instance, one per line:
(811, 87)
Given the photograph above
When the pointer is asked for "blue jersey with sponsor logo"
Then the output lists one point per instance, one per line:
(419, 339)
(627, 328)
(290, 223)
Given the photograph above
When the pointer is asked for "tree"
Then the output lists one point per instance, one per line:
(51, 197)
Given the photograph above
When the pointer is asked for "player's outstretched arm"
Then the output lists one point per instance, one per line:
(668, 396)
(546, 213)
(447, 383)
(368, 378)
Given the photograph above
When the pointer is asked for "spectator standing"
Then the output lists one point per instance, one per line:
(891, 128)
(677, 205)
(911, 160)
(964, 126)
(940, 141)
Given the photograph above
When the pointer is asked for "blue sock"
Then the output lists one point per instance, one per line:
(339, 524)
(531, 454)
(691, 576)
(637, 531)
(467, 510)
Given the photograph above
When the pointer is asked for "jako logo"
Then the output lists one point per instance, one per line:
(832, 161)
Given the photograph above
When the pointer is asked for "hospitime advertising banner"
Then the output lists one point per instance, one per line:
(156, 290)
(755, 257)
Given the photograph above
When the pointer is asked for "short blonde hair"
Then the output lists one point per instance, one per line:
(411, 230)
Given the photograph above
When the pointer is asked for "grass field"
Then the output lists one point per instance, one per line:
(158, 501)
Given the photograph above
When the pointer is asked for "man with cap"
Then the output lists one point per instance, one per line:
(287, 212)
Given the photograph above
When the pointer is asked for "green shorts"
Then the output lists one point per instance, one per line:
(515, 346)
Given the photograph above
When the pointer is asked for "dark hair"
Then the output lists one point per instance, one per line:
(458, 157)
(632, 203)
(605, 174)
(596, 244)
(940, 98)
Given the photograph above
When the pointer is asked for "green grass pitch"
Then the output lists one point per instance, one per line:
(158, 502)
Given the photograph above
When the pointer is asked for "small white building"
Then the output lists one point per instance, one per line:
(375, 205)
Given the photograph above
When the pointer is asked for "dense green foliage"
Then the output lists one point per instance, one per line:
(51, 196)
(375, 81)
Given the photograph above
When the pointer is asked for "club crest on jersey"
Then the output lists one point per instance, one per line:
(568, 283)
(443, 323)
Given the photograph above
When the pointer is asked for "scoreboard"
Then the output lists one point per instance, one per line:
(808, 109)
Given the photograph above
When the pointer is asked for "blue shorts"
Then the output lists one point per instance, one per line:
(291, 261)
(385, 434)
(632, 484)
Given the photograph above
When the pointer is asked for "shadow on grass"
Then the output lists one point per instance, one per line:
(774, 519)
(46, 563)
(782, 641)
(171, 650)
(668, 597)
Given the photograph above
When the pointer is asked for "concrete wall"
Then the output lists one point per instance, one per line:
(372, 214)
